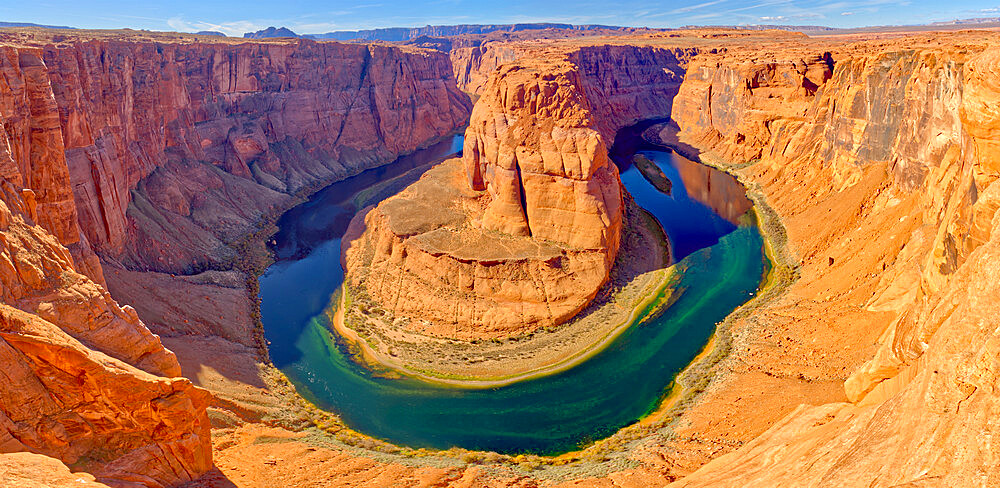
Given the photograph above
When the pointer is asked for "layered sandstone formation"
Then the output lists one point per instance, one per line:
(166, 152)
(879, 157)
(535, 227)
(157, 154)
(923, 117)
(84, 378)
(474, 64)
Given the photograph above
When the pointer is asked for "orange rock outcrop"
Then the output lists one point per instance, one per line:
(85, 381)
(166, 152)
(538, 224)
(880, 157)
(157, 154)
(923, 114)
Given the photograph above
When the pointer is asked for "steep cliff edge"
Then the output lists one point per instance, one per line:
(174, 150)
(538, 219)
(879, 157)
(159, 154)
(909, 130)
(71, 391)
(473, 65)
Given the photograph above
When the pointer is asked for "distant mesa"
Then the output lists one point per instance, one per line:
(407, 33)
(442, 44)
(28, 24)
(978, 20)
(271, 32)
(430, 36)
(210, 33)
(401, 34)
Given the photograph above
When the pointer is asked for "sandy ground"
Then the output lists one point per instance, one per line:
(802, 344)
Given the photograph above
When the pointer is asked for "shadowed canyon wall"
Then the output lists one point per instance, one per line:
(881, 157)
(85, 381)
(172, 151)
(157, 156)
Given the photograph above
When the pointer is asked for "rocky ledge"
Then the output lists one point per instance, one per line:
(525, 233)
(421, 253)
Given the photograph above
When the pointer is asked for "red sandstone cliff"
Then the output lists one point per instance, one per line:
(212, 136)
(473, 65)
(157, 155)
(924, 116)
(534, 240)
(882, 156)
(170, 151)
(82, 376)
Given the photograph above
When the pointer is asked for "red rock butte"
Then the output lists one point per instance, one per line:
(541, 228)
(144, 161)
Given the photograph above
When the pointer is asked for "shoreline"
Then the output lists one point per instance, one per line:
(683, 392)
(253, 257)
(781, 273)
(691, 382)
(635, 317)
(639, 293)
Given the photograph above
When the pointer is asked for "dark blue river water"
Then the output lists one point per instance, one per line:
(721, 265)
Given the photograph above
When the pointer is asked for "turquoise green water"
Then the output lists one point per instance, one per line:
(548, 415)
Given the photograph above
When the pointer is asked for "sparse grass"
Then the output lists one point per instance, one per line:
(597, 457)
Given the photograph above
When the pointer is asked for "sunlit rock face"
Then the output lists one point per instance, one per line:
(539, 198)
(85, 381)
(164, 153)
(924, 115)
(156, 156)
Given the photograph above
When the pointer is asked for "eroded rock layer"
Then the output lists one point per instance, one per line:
(157, 154)
(541, 227)
(423, 256)
(85, 381)
(166, 152)
(880, 157)
(923, 115)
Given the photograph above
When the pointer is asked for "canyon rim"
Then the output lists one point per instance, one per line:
(210, 246)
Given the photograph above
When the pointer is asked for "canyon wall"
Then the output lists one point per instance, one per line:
(539, 137)
(209, 137)
(882, 158)
(534, 241)
(157, 155)
(170, 151)
(85, 381)
(923, 115)
(32, 153)
(473, 65)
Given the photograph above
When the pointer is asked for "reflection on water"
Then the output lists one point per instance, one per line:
(706, 203)
(722, 267)
(327, 213)
(719, 191)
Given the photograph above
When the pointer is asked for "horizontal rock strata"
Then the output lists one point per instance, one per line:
(157, 155)
(85, 381)
(539, 220)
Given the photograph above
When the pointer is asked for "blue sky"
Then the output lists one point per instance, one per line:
(235, 17)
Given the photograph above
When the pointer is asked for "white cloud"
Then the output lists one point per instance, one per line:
(775, 18)
(695, 7)
(232, 29)
(847, 13)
